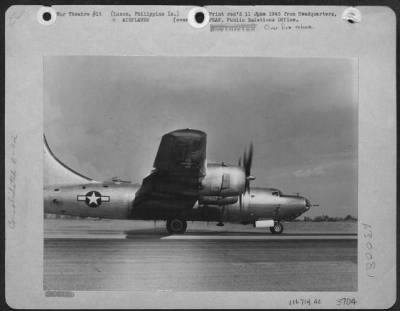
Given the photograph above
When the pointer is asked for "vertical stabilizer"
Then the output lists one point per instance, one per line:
(57, 173)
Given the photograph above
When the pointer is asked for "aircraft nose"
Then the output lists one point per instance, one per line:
(307, 204)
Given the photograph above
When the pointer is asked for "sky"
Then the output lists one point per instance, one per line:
(104, 117)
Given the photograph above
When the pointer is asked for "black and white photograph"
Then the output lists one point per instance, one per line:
(200, 174)
(186, 157)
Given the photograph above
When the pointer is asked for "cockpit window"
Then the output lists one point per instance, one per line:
(276, 193)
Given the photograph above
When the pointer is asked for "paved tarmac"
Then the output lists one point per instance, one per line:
(97, 255)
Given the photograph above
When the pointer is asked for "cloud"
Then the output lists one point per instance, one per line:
(314, 171)
(327, 167)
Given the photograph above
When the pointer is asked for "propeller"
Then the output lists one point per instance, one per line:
(245, 162)
(240, 206)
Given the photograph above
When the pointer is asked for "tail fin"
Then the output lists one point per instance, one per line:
(56, 172)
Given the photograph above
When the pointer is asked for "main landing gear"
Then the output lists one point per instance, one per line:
(277, 228)
(176, 226)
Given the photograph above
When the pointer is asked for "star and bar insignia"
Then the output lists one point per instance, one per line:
(93, 198)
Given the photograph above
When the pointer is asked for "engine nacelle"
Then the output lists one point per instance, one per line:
(217, 200)
(223, 180)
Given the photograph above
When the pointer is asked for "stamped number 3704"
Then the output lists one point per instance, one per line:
(368, 244)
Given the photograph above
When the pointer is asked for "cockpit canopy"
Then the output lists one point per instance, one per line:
(274, 192)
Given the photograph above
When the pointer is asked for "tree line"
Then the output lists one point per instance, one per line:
(329, 218)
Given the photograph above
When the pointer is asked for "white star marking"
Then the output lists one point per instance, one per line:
(93, 199)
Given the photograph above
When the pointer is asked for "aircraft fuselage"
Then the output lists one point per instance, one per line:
(115, 201)
(105, 200)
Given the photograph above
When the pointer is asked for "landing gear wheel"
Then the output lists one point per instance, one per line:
(277, 228)
(176, 226)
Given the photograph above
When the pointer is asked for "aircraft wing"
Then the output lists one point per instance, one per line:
(179, 167)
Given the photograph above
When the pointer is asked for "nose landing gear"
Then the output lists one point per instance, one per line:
(277, 228)
(176, 226)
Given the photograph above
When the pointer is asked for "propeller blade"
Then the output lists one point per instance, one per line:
(250, 159)
(247, 162)
(240, 207)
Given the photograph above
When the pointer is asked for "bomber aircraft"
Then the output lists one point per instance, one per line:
(181, 187)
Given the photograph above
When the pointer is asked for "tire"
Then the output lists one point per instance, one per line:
(277, 228)
(176, 226)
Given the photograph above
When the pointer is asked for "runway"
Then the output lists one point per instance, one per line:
(104, 256)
